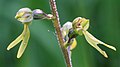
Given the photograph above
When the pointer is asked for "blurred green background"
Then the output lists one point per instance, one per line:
(43, 49)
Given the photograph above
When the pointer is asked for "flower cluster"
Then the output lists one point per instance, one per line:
(70, 31)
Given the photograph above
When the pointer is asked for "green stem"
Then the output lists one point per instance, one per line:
(59, 33)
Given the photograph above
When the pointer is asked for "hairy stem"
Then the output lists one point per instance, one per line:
(59, 33)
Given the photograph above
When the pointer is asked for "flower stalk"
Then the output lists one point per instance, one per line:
(59, 35)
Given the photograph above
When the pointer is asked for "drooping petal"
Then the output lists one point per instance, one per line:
(24, 43)
(111, 47)
(15, 42)
(93, 42)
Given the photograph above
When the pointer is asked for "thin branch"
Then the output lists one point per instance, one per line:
(59, 33)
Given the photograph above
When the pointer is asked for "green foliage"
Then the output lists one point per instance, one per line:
(43, 49)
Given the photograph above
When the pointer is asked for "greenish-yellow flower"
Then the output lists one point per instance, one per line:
(24, 15)
(80, 25)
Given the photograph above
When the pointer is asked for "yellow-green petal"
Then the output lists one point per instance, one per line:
(74, 44)
(15, 42)
(86, 24)
(93, 42)
(24, 43)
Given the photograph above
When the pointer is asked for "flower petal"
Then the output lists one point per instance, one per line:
(24, 43)
(74, 44)
(93, 42)
(15, 42)
(86, 25)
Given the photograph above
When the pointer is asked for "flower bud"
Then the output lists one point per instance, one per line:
(39, 14)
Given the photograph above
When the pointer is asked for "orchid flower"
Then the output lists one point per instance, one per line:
(66, 30)
(24, 15)
(81, 25)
